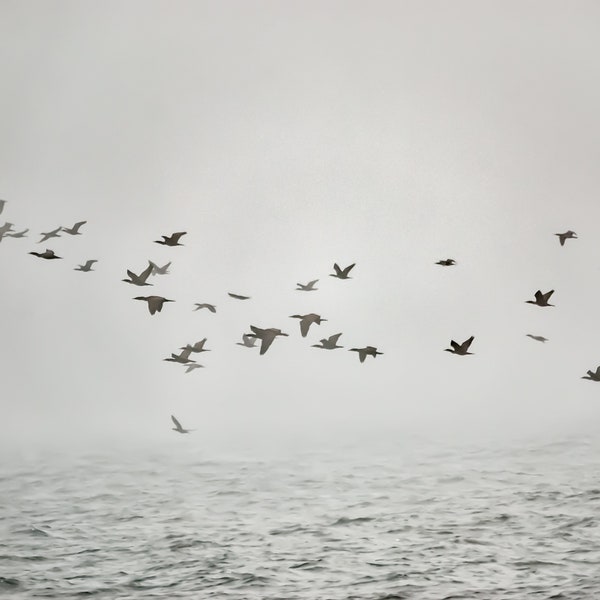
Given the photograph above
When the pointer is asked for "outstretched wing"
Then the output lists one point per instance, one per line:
(334, 338)
(362, 355)
(465, 345)
(266, 343)
(146, 272)
(337, 269)
(176, 236)
(348, 269)
(454, 345)
(176, 422)
(538, 295)
(312, 283)
(547, 295)
(304, 327)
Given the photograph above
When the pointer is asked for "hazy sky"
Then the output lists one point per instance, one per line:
(283, 137)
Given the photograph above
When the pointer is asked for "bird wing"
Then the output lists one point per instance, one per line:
(337, 269)
(348, 269)
(266, 343)
(212, 308)
(176, 236)
(538, 295)
(146, 272)
(334, 338)
(465, 345)
(561, 238)
(257, 331)
(199, 345)
(547, 295)
(362, 355)
(454, 345)
(78, 225)
(312, 283)
(304, 326)
(597, 372)
(177, 423)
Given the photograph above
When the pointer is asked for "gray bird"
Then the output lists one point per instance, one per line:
(156, 270)
(48, 254)
(308, 287)
(75, 229)
(249, 341)
(155, 303)
(366, 351)
(197, 347)
(238, 297)
(266, 336)
(140, 279)
(460, 349)
(172, 240)
(306, 321)
(178, 428)
(448, 262)
(342, 273)
(50, 234)
(567, 235)
(211, 307)
(18, 234)
(189, 368)
(329, 343)
(87, 267)
(541, 299)
(537, 338)
(182, 358)
(593, 376)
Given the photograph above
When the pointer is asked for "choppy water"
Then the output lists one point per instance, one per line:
(407, 521)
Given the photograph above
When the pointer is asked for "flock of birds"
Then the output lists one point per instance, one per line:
(266, 336)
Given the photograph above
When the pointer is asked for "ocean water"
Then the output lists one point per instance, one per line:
(394, 520)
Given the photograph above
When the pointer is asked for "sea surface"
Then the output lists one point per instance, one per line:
(380, 520)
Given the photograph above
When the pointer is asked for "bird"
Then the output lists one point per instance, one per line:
(306, 321)
(266, 336)
(156, 270)
(211, 307)
(460, 349)
(75, 229)
(238, 297)
(342, 273)
(537, 338)
(197, 347)
(172, 240)
(48, 254)
(87, 267)
(366, 351)
(50, 234)
(541, 299)
(593, 376)
(567, 235)
(140, 279)
(5, 228)
(329, 343)
(18, 234)
(190, 367)
(155, 303)
(308, 287)
(183, 357)
(448, 262)
(2, 203)
(178, 428)
(249, 341)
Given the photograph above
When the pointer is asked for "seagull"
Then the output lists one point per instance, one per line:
(50, 234)
(2, 203)
(155, 303)
(48, 254)
(249, 341)
(18, 234)
(306, 321)
(197, 347)
(366, 351)
(309, 287)
(593, 376)
(211, 307)
(342, 273)
(448, 262)
(537, 338)
(75, 229)
(460, 349)
(541, 299)
(156, 270)
(266, 336)
(238, 297)
(183, 357)
(567, 235)
(172, 240)
(329, 343)
(139, 279)
(178, 426)
(87, 267)
(189, 368)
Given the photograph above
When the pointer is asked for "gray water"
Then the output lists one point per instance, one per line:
(396, 520)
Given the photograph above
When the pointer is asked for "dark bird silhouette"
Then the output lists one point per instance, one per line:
(366, 351)
(197, 347)
(18, 234)
(266, 336)
(211, 307)
(537, 338)
(50, 234)
(460, 349)
(567, 235)
(593, 376)
(541, 299)
(178, 428)
(308, 287)
(140, 279)
(48, 254)
(238, 297)
(306, 321)
(248, 340)
(87, 267)
(156, 270)
(75, 229)
(155, 303)
(329, 343)
(448, 262)
(342, 273)
(172, 240)
(183, 357)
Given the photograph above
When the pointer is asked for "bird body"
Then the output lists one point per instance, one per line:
(567, 235)
(87, 267)
(448, 262)
(178, 428)
(460, 349)
(541, 299)
(155, 303)
(329, 343)
(171, 240)
(211, 307)
(308, 287)
(75, 229)
(366, 351)
(537, 338)
(306, 321)
(48, 254)
(593, 376)
(140, 279)
(266, 336)
(342, 273)
(238, 296)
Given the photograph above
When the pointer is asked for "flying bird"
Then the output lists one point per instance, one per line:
(50, 234)
(238, 297)
(460, 349)
(155, 303)
(541, 299)
(178, 428)
(308, 287)
(567, 235)
(18, 234)
(87, 267)
(266, 336)
(183, 357)
(190, 367)
(48, 254)
(211, 307)
(248, 340)
(197, 347)
(4, 229)
(140, 279)
(329, 343)
(448, 262)
(366, 351)
(593, 376)
(75, 229)
(306, 321)
(156, 270)
(537, 338)
(172, 240)
(342, 273)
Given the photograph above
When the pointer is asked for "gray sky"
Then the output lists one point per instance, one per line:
(285, 136)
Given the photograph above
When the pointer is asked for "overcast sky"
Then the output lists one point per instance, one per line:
(283, 137)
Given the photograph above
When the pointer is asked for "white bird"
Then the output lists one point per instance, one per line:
(178, 428)
(329, 343)
(366, 351)
(87, 267)
(249, 341)
(155, 303)
(75, 229)
(308, 287)
(460, 349)
(156, 270)
(140, 279)
(266, 336)
(306, 321)
(342, 273)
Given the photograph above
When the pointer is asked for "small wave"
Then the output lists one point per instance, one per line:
(9, 582)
